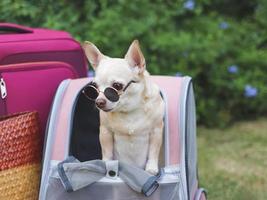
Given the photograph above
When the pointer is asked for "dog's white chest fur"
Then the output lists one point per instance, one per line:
(132, 131)
(131, 136)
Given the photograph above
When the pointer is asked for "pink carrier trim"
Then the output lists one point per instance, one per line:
(171, 86)
(62, 128)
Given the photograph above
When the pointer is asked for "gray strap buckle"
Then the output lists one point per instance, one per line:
(112, 167)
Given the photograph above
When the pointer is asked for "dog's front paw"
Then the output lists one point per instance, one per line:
(106, 159)
(152, 167)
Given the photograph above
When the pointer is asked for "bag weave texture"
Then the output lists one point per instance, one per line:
(20, 156)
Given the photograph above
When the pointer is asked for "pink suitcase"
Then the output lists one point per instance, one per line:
(33, 62)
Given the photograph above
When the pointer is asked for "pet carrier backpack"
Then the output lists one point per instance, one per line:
(72, 155)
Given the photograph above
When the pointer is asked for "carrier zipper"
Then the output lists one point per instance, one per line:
(3, 88)
(36, 66)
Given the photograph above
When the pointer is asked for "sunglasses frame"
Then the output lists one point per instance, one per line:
(119, 93)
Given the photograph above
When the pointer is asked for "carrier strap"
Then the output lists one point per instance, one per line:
(75, 175)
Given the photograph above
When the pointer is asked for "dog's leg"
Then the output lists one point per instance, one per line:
(106, 141)
(155, 142)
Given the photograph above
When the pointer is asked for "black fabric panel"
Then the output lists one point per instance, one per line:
(85, 143)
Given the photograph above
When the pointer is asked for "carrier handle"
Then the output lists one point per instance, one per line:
(9, 27)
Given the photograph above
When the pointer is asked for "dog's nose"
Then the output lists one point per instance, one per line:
(100, 103)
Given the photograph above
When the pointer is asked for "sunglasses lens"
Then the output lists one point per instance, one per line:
(90, 92)
(111, 94)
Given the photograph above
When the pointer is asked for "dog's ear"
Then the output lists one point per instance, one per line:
(135, 58)
(92, 53)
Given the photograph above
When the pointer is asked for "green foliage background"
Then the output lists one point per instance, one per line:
(200, 38)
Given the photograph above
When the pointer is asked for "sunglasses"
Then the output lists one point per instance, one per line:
(91, 92)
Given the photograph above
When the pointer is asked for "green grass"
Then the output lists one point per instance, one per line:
(233, 162)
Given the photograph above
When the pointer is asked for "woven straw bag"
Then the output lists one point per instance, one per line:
(20, 156)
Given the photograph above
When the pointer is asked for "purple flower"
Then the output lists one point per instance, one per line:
(90, 73)
(178, 74)
(223, 25)
(250, 91)
(233, 69)
(185, 54)
(189, 5)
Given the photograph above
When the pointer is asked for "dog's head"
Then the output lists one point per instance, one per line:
(117, 75)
